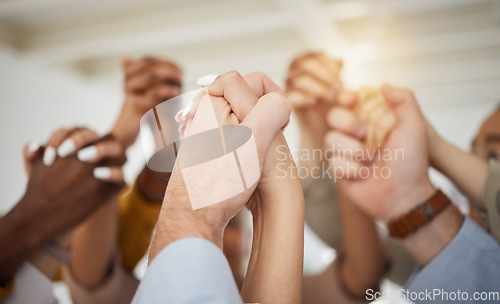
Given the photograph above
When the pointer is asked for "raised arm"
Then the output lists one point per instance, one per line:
(467, 171)
(229, 92)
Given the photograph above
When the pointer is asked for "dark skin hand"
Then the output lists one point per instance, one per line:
(57, 198)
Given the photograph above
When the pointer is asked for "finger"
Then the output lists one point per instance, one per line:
(30, 152)
(322, 73)
(299, 99)
(346, 121)
(136, 67)
(261, 84)
(126, 62)
(31, 149)
(233, 87)
(297, 61)
(349, 147)
(109, 174)
(347, 99)
(108, 149)
(50, 153)
(268, 116)
(309, 84)
(168, 74)
(190, 110)
(76, 141)
(344, 169)
(331, 64)
(140, 82)
(163, 91)
(384, 126)
(401, 100)
(365, 109)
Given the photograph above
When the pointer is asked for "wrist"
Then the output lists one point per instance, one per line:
(27, 224)
(407, 200)
(177, 220)
(126, 127)
(431, 239)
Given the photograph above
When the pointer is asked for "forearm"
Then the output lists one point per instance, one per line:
(310, 157)
(431, 239)
(363, 262)
(465, 170)
(93, 246)
(177, 219)
(278, 232)
(274, 272)
(127, 125)
(18, 240)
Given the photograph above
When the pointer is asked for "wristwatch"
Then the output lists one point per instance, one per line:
(420, 216)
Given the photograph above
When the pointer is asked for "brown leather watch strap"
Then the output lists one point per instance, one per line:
(412, 221)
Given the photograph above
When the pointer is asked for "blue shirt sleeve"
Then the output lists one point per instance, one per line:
(470, 264)
(191, 270)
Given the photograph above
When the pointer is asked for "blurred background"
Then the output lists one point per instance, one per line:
(60, 59)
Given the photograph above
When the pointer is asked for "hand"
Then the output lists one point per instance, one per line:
(148, 82)
(312, 86)
(278, 154)
(61, 195)
(394, 181)
(265, 119)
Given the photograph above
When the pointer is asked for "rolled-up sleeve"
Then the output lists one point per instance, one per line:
(470, 263)
(191, 270)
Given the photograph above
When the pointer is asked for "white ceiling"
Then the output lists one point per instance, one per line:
(450, 45)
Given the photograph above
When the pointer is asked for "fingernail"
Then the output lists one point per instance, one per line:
(33, 146)
(102, 173)
(88, 153)
(178, 115)
(49, 156)
(206, 80)
(186, 110)
(66, 148)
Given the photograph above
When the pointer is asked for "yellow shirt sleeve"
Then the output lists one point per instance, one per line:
(137, 219)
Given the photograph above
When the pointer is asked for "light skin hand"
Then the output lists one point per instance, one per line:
(277, 206)
(409, 185)
(177, 218)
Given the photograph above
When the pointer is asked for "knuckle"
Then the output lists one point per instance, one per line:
(231, 75)
(281, 102)
(408, 93)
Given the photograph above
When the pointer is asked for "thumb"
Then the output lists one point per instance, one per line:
(267, 117)
(126, 62)
(402, 101)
